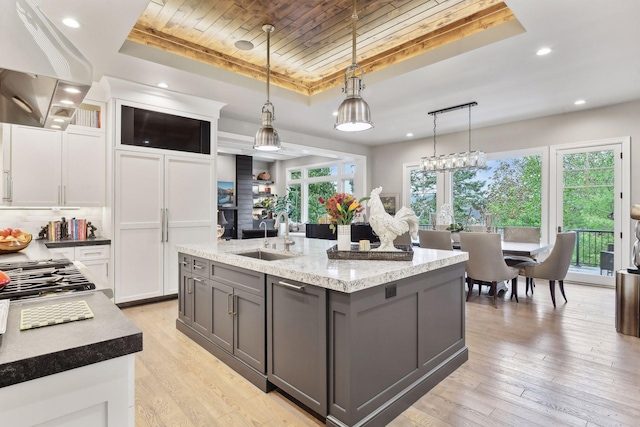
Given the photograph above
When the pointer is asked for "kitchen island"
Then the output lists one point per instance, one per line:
(73, 374)
(356, 342)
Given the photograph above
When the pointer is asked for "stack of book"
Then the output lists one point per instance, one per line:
(74, 229)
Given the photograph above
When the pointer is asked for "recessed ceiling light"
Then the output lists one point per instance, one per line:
(66, 102)
(56, 127)
(163, 85)
(409, 135)
(580, 102)
(243, 45)
(59, 120)
(543, 51)
(72, 90)
(335, 113)
(71, 23)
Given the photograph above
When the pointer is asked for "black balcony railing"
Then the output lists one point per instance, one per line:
(590, 245)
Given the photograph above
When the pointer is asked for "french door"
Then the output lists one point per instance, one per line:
(587, 196)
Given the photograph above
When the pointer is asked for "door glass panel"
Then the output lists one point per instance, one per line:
(588, 206)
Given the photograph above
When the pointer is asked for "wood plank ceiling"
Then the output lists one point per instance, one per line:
(311, 44)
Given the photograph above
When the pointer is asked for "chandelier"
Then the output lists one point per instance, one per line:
(267, 138)
(353, 114)
(454, 161)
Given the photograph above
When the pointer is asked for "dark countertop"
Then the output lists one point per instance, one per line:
(72, 243)
(35, 353)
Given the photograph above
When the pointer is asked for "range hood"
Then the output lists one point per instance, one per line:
(43, 77)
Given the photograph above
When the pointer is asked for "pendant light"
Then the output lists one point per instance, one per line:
(267, 138)
(353, 114)
(454, 161)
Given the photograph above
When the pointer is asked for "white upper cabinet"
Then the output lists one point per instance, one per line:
(45, 167)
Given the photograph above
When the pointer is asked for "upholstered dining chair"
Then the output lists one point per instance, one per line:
(555, 266)
(435, 239)
(524, 235)
(485, 263)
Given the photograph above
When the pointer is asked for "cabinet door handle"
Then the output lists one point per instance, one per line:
(235, 305)
(91, 253)
(8, 186)
(198, 267)
(59, 195)
(230, 310)
(189, 288)
(195, 279)
(185, 263)
(161, 225)
(291, 286)
(166, 222)
(64, 194)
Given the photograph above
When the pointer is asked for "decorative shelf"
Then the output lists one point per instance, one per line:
(262, 182)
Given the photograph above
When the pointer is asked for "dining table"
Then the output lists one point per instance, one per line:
(525, 249)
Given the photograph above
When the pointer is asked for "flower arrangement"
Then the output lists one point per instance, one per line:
(342, 208)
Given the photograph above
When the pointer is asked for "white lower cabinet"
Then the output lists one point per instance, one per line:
(95, 258)
(160, 201)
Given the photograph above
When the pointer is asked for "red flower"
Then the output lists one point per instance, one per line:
(321, 200)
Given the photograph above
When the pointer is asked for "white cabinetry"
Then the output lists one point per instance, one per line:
(45, 167)
(160, 201)
(94, 257)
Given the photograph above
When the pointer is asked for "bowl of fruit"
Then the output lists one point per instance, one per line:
(13, 240)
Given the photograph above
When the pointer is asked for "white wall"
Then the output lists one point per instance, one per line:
(226, 167)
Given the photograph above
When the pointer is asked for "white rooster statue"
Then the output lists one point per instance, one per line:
(389, 227)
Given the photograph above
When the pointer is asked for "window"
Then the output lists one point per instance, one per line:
(422, 194)
(509, 188)
(311, 182)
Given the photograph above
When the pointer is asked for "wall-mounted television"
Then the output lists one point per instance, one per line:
(225, 193)
(145, 128)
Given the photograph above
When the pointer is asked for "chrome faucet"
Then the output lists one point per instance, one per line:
(287, 241)
(266, 242)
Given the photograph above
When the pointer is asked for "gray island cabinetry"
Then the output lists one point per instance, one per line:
(356, 342)
(225, 306)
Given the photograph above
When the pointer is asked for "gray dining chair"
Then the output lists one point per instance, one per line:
(435, 239)
(523, 235)
(485, 264)
(555, 266)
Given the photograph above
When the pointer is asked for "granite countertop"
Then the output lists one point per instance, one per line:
(35, 353)
(73, 243)
(312, 266)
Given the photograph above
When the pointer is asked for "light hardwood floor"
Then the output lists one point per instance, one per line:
(529, 365)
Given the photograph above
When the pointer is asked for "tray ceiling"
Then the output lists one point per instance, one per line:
(311, 44)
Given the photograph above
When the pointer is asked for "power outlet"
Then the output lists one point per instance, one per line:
(390, 291)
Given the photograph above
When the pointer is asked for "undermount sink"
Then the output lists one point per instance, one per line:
(267, 256)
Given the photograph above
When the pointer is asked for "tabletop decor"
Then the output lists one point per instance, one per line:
(388, 227)
(342, 208)
(402, 253)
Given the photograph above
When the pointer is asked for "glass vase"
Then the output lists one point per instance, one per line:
(344, 237)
